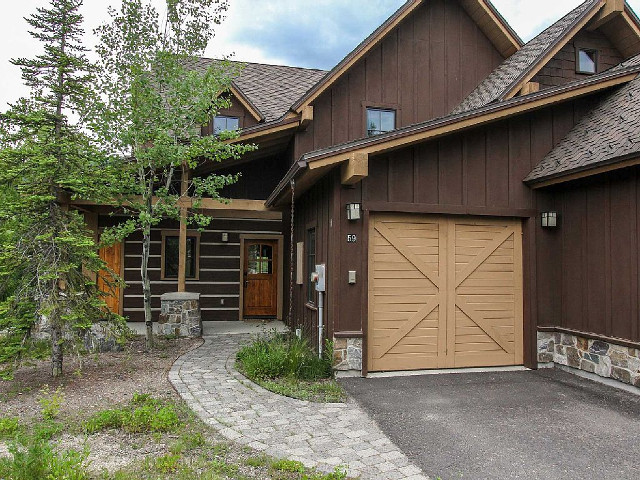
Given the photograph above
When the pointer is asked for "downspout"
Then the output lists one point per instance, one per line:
(291, 266)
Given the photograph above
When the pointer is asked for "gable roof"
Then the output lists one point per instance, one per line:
(507, 79)
(269, 89)
(483, 10)
(608, 133)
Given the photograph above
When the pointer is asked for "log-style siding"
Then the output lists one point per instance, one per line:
(423, 69)
(219, 263)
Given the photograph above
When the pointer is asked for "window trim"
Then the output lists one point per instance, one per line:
(218, 115)
(310, 294)
(176, 233)
(379, 106)
(586, 48)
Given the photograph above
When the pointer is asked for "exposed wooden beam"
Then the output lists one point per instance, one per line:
(182, 239)
(530, 87)
(306, 117)
(355, 169)
(611, 9)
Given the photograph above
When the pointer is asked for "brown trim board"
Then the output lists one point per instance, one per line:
(401, 207)
(591, 336)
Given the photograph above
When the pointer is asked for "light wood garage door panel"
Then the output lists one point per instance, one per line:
(444, 292)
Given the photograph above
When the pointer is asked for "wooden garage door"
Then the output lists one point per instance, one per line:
(444, 292)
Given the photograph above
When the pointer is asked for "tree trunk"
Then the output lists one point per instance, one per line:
(56, 349)
(146, 288)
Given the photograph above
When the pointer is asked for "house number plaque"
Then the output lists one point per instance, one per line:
(352, 238)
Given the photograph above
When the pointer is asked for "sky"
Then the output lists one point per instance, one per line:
(304, 33)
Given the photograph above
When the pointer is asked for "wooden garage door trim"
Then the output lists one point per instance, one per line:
(452, 305)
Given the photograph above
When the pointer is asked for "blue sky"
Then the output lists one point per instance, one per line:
(306, 33)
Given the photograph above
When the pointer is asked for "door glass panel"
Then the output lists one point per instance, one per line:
(253, 266)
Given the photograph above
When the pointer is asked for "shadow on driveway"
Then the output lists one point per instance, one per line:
(533, 424)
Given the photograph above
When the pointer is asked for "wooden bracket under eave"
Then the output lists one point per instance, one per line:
(306, 117)
(529, 87)
(355, 169)
(610, 10)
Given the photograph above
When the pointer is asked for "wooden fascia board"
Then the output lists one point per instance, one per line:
(469, 122)
(266, 132)
(551, 53)
(610, 10)
(332, 77)
(501, 37)
(203, 204)
(586, 172)
(246, 104)
(633, 24)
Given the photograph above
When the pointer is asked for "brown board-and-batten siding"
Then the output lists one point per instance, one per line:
(422, 69)
(589, 265)
(478, 172)
(219, 266)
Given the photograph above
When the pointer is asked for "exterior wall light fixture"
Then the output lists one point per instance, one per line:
(353, 211)
(549, 219)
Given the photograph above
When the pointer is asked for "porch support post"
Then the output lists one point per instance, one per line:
(182, 245)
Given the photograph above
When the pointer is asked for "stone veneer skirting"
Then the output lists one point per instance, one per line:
(180, 314)
(347, 354)
(605, 359)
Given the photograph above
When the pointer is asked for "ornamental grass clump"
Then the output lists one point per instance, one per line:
(284, 356)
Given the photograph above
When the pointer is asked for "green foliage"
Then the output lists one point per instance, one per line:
(9, 426)
(324, 390)
(46, 159)
(288, 466)
(34, 458)
(50, 402)
(143, 414)
(276, 356)
(155, 98)
(165, 463)
(258, 461)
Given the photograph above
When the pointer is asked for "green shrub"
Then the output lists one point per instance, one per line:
(9, 426)
(277, 355)
(50, 403)
(34, 458)
(288, 466)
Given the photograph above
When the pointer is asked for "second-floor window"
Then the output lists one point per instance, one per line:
(380, 120)
(222, 123)
(587, 60)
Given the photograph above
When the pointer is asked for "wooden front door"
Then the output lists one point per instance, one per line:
(112, 256)
(444, 292)
(260, 294)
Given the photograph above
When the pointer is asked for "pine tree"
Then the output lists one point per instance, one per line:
(46, 158)
(155, 103)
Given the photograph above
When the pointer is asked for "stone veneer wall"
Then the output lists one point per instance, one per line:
(347, 354)
(180, 315)
(605, 359)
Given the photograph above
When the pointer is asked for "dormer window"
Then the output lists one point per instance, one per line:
(224, 124)
(587, 60)
(380, 120)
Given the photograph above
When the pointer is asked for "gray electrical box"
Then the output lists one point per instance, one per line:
(320, 279)
(352, 277)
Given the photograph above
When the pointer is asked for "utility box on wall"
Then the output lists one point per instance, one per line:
(320, 278)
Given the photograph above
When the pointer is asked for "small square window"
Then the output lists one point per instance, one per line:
(380, 121)
(171, 255)
(224, 124)
(587, 60)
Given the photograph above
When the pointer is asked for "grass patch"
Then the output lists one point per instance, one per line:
(9, 426)
(143, 414)
(287, 365)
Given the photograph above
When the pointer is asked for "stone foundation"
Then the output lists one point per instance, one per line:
(605, 359)
(347, 354)
(180, 315)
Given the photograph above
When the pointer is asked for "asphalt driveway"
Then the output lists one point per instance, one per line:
(532, 424)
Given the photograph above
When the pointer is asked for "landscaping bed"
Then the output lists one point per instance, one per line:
(115, 416)
(287, 365)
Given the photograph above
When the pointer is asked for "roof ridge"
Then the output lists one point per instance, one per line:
(262, 64)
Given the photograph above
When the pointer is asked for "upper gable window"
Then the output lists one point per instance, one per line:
(587, 61)
(224, 124)
(380, 120)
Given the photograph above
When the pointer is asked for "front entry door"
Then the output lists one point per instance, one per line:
(260, 278)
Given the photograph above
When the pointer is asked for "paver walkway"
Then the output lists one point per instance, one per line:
(319, 435)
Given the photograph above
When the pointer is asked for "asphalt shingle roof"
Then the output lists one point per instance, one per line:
(503, 79)
(610, 131)
(272, 89)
